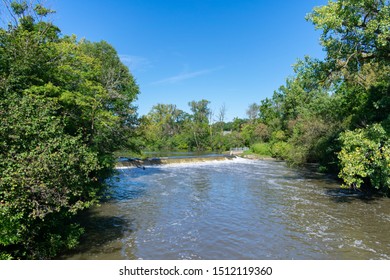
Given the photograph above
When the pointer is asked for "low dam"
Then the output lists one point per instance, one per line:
(136, 162)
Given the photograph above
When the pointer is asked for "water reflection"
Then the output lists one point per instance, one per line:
(237, 209)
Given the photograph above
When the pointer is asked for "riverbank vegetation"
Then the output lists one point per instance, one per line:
(66, 105)
(336, 111)
(167, 127)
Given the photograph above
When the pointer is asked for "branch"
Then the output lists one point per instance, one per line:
(7, 4)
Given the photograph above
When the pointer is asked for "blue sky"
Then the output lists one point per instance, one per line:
(232, 52)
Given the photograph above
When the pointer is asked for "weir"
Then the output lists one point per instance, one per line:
(136, 162)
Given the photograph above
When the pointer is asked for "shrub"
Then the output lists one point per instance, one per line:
(262, 149)
(47, 177)
(365, 158)
(280, 149)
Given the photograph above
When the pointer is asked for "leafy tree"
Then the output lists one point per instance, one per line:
(165, 122)
(200, 123)
(237, 124)
(47, 176)
(365, 158)
(65, 107)
(354, 32)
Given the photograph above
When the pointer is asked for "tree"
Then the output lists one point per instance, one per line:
(252, 112)
(200, 123)
(47, 176)
(65, 107)
(222, 114)
(354, 32)
(165, 122)
(200, 111)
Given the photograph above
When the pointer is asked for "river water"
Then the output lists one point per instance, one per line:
(234, 209)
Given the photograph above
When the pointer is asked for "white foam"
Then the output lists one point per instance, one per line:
(205, 163)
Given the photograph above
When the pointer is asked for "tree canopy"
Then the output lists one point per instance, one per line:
(65, 107)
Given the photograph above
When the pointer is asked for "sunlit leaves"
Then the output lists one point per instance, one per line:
(19, 8)
(354, 32)
(365, 158)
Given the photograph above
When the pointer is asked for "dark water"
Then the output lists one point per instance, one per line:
(237, 209)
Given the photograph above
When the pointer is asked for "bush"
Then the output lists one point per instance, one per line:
(5, 256)
(310, 140)
(365, 158)
(262, 149)
(47, 177)
(280, 149)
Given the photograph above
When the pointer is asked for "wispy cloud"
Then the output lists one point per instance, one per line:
(186, 76)
(135, 63)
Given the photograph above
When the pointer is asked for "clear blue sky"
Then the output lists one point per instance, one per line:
(232, 52)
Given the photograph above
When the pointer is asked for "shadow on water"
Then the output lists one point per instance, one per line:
(106, 231)
(349, 195)
(119, 190)
(310, 171)
(338, 195)
(115, 193)
(100, 231)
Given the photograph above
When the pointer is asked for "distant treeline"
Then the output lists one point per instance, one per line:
(167, 127)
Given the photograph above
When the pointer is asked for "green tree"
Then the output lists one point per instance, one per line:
(354, 32)
(65, 107)
(365, 158)
(200, 124)
(46, 177)
(165, 122)
(356, 37)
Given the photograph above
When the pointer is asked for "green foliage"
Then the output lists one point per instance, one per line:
(5, 256)
(365, 158)
(280, 149)
(253, 132)
(46, 174)
(318, 115)
(65, 107)
(354, 32)
(164, 127)
(199, 126)
(309, 134)
(167, 127)
(262, 149)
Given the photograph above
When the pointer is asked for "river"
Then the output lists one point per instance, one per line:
(234, 209)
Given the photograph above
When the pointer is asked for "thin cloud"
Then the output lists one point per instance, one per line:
(135, 63)
(186, 76)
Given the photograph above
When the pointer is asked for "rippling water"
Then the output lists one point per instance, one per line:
(235, 209)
